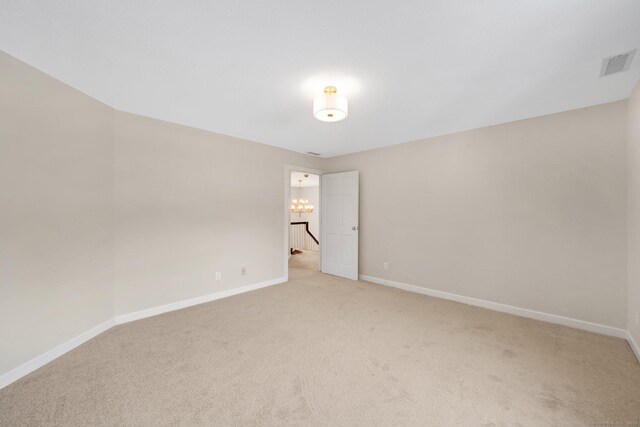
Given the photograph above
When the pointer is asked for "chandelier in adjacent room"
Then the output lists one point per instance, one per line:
(301, 205)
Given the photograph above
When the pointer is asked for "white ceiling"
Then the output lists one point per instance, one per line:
(310, 181)
(411, 69)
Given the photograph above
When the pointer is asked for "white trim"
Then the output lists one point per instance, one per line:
(41, 360)
(504, 308)
(634, 345)
(160, 309)
(46, 357)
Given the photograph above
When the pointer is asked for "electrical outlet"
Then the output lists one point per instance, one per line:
(386, 265)
(218, 275)
(243, 271)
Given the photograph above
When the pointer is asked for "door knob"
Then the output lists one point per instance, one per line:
(355, 228)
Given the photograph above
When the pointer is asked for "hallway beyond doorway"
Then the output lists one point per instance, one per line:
(303, 264)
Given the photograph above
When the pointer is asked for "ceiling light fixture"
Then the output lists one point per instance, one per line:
(330, 107)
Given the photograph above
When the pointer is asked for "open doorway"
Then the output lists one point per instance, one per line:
(304, 224)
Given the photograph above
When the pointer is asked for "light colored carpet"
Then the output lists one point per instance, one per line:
(319, 350)
(304, 264)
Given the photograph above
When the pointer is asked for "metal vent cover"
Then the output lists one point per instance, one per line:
(616, 63)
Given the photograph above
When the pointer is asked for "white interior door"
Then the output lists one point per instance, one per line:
(339, 218)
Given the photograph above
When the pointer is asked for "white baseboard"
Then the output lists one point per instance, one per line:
(634, 345)
(154, 311)
(41, 360)
(518, 311)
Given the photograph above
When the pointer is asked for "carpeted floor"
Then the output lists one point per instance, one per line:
(320, 350)
(304, 264)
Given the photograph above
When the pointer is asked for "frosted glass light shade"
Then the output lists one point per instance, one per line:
(330, 107)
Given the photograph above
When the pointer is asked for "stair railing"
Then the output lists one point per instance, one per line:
(301, 238)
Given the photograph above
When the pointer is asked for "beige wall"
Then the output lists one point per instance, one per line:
(56, 213)
(105, 213)
(190, 203)
(185, 204)
(634, 214)
(530, 213)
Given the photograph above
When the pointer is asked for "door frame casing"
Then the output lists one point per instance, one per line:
(287, 213)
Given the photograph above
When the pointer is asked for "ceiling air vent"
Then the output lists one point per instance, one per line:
(312, 153)
(616, 63)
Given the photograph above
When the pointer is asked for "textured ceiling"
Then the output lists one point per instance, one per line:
(411, 69)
